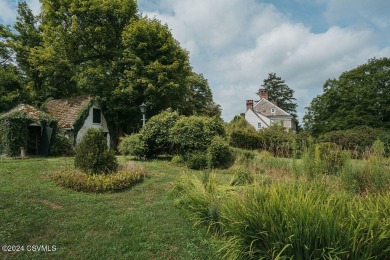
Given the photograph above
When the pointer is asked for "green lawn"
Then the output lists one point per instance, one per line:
(139, 223)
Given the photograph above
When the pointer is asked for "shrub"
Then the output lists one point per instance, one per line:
(277, 141)
(197, 161)
(131, 145)
(155, 139)
(245, 140)
(126, 176)
(195, 133)
(61, 146)
(219, 154)
(92, 155)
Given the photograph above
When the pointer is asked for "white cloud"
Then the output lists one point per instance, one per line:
(235, 44)
(7, 12)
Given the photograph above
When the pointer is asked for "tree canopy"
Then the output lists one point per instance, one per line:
(359, 97)
(108, 50)
(281, 93)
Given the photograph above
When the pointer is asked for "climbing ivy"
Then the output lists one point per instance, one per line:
(81, 117)
(14, 130)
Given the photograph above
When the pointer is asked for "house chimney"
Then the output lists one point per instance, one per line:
(249, 104)
(263, 93)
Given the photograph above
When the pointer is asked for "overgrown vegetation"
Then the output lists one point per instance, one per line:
(92, 154)
(324, 206)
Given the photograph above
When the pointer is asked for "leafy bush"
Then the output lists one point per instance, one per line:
(195, 133)
(219, 154)
(126, 176)
(92, 155)
(197, 161)
(277, 141)
(61, 146)
(358, 139)
(245, 140)
(155, 138)
(131, 145)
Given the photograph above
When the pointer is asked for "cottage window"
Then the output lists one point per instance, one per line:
(273, 110)
(259, 125)
(97, 116)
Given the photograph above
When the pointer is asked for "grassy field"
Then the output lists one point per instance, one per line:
(139, 223)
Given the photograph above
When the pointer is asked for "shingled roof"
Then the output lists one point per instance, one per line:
(66, 110)
(32, 112)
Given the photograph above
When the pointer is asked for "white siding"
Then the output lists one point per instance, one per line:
(88, 123)
(254, 119)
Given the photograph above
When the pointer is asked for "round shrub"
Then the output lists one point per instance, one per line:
(195, 133)
(219, 154)
(131, 145)
(92, 155)
(197, 161)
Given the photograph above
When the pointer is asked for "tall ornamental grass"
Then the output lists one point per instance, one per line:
(295, 219)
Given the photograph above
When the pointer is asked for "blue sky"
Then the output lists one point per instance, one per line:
(236, 43)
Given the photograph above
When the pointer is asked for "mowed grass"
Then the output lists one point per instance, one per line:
(139, 223)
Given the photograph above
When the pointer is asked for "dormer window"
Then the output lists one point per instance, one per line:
(97, 116)
(273, 110)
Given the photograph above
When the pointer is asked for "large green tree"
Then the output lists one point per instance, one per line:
(281, 93)
(108, 50)
(359, 97)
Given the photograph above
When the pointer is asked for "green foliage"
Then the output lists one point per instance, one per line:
(14, 130)
(289, 220)
(82, 115)
(178, 159)
(131, 145)
(195, 133)
(277, 141)
(219, 154)
(243, 135)
(359, 97)
(358, 139)
(61, 145)
(201, 198)
(155, 136)
(281, 93)
(126, 177)
(197, 161)
(324, 158)
(92, 155)
(372, 175)
(11, 88)
(242, 176)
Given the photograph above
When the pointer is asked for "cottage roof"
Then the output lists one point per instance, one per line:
(66, 110)
(32, 112)
(265, 107)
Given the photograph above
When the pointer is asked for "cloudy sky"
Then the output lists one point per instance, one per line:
(235, 44)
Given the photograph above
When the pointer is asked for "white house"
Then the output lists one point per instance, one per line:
(264, 113)
(76, 115)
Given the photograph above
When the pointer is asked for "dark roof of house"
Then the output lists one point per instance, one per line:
(66, 110)
(264, 107)
(32, 112)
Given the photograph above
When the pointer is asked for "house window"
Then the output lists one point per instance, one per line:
(97, 116)
(272, 110)
(259, 125)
